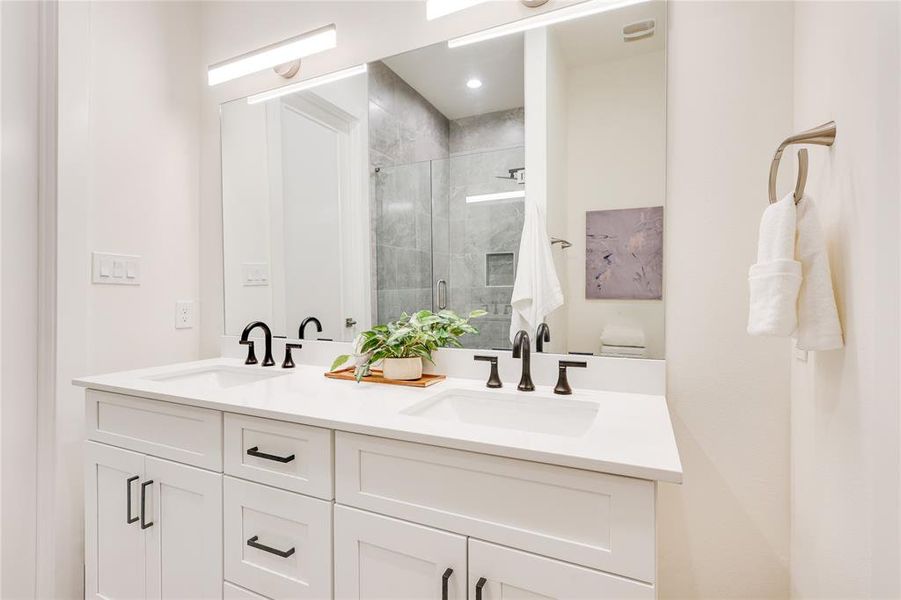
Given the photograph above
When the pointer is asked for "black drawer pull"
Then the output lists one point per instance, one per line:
(144, 523)
(447, 573)
(128, 518)
(253, 543)
(479, 585)
(255, 451)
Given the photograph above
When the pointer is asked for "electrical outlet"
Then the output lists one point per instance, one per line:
(184, 314)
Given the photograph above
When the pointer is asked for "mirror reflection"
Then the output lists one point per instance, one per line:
(521, 176)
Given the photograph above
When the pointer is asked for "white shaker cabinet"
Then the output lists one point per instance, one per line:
(153, 528)
(381, 557)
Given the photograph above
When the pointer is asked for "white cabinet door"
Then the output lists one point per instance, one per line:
(114, 542)
(384, 558)
(184, 544)
(500, 573)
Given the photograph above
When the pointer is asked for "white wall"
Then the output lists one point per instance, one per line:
(19, 146)
(845, 414)
(616, 158)
(129, 88)
(725, 532)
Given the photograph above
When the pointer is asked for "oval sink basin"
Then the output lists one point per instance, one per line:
(522, 412)
(217, 377)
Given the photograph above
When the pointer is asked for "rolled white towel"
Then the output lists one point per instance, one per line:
(622, 335)
(776, 277)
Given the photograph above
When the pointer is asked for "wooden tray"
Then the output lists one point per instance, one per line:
(376, 377)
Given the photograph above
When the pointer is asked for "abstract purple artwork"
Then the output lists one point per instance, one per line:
(624, 254)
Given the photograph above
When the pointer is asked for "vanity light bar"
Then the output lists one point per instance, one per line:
(318, 40)
(307, 84)
(435, 9)
(497, 196)
(575, 11)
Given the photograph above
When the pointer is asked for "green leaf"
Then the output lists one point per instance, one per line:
(340, 360)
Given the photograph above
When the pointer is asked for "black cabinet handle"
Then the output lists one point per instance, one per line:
(481, 583)
(447, 573)
(253, 543)
(144, 523)
(128, 518)
(255, 451)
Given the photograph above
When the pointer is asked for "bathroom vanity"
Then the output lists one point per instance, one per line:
(218, 480)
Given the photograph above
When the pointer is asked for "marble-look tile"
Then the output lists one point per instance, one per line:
(382, 84)
(479, 133)
(384, 134)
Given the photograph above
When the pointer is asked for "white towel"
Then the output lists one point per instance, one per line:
(818, 324)
(622, 335)
(623, 351)
(776, 278)
(536, 291)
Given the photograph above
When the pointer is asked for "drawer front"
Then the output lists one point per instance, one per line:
(231, 591)
(277, 543)
(286, 455)
(512, 575)
(185, 434)
(601, 521)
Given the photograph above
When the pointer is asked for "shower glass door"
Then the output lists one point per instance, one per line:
(477, 219)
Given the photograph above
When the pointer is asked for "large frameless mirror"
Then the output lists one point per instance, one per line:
(461, 178)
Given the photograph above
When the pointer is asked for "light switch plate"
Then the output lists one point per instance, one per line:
(255, 273)
(184, 314)
(115, 269)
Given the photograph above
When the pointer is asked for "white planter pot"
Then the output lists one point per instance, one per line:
(402, 368)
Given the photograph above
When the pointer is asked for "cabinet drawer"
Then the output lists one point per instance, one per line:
(277, 543)
(601, 521)
(231, 591)
(512, 574)
(286, 455)
(184, 434)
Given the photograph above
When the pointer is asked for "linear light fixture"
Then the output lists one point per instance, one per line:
(305, 44)
(307, 84)
(496, 196)
(435, 9)
(575, 11)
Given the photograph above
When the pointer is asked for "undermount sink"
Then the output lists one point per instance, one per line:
(217, 377)
(521, 412)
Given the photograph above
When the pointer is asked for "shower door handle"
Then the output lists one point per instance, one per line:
(441, 285)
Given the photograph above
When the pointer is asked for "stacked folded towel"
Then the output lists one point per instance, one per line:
(791, 285)
(622, 341)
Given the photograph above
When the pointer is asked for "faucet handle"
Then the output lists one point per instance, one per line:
(251, 357)
(494, 380)
(288, 363)
(562, 386)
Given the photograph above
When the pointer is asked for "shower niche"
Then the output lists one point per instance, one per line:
(405, 187)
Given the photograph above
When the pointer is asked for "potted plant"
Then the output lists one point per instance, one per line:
(401, 345)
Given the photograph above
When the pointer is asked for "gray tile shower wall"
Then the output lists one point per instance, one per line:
(405, 133)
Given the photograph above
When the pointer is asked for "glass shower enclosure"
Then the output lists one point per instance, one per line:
(447, 235)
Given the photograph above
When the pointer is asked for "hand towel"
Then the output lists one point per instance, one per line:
(623, 351)
(776, 277)
(536, 290)
(622, 335)
(818, 324)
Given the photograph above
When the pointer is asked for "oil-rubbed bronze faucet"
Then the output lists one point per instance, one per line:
(246, 341)
(307, 321)
(543, 335)
(522, 348)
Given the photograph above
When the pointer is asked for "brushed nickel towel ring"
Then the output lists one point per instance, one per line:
(824, 135)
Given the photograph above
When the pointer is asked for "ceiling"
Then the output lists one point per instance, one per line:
(599, 38)
(440, 74)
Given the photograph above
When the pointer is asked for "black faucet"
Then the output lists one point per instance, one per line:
(543, 335)
(562, 386)
(494, 381)
(245, 340)
(307, 321)
(288, 363)
(521, 348)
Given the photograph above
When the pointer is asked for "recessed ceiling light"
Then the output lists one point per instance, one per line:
(474, 83)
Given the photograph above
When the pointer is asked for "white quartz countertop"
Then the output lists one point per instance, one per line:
(631, 434)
